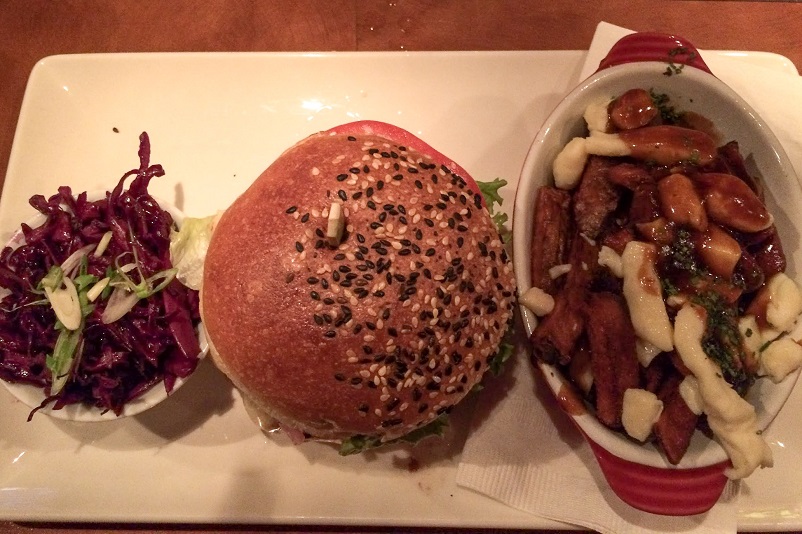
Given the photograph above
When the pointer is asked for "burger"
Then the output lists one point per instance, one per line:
(358, 289)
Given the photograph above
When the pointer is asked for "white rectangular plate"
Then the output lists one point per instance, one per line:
(215, 122)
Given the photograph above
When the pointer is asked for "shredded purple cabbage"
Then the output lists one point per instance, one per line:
(154, 342)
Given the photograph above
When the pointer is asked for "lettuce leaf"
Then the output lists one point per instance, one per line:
(490, 192)
(360, 443)
(188, 247)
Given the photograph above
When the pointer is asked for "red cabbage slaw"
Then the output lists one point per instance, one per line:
(114, 362)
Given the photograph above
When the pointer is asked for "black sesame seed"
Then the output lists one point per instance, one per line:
(351, 138)
(339, 377)
(431, 252)
(342, 195)
(292, 209)
(354, 170)
(342, 177)
(380, 185)
(365, 169)
(314, 295)
(357, 195)
(429, 223)
(305, 218)
(418, 234)
(330, 333)
(391, 422)
(318, 319)
(299, 247)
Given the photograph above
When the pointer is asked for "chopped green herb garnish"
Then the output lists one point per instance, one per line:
(722, 340)
(668, 114)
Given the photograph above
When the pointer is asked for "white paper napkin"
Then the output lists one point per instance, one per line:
(524, 452)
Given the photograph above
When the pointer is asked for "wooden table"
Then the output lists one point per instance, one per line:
(33, 29)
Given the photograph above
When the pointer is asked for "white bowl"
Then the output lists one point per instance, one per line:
(33, 396)
(640, 474)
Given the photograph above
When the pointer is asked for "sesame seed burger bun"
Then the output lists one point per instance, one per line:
(379, 333)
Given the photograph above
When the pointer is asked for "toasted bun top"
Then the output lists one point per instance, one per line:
(375, 336)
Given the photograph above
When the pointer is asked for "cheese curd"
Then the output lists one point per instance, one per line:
(643, 293)
(780, 358)
(569, 164)
(731, 418)
(785, 302)
(537, 301)
(641, 411)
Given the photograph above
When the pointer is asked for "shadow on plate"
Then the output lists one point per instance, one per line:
(200, 402)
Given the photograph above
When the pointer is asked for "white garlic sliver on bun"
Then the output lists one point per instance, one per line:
(781, 358)
(644, 296)
(641, 411)
(336, 224)
(731, 418)
(785, 302)
(537, 301)
(569, 164)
